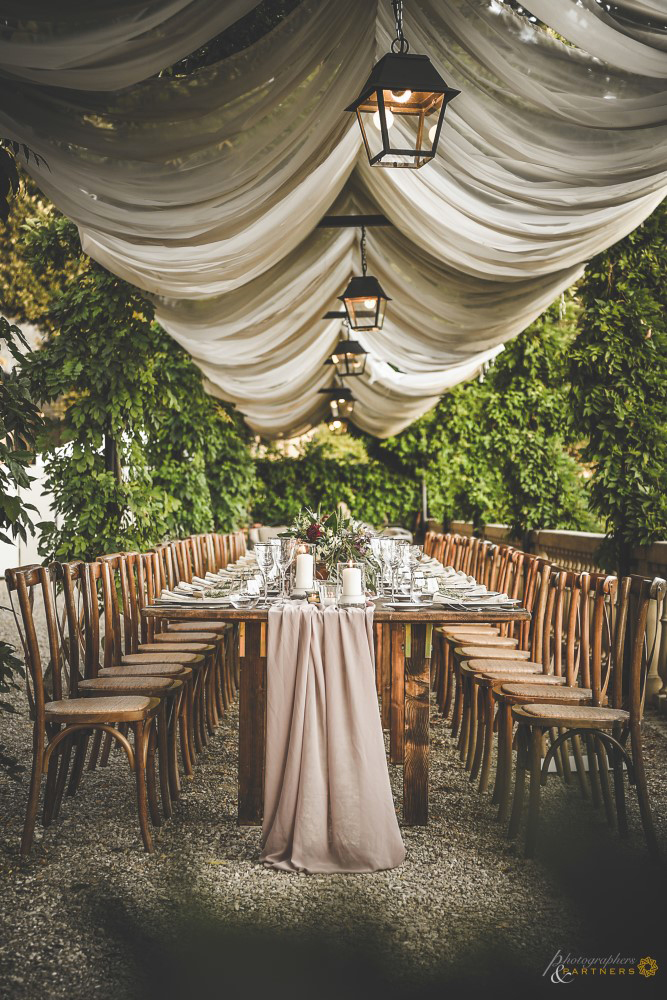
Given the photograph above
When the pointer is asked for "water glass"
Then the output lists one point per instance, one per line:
(266, 562)
(284, 550)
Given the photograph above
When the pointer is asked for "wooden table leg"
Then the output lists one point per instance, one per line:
(252, 724)
(385, 674)
(394, 636)
(418, 639)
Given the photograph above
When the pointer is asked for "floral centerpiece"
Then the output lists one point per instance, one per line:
(338, 537)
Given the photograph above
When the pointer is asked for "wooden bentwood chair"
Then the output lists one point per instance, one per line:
(620, 678)
(59, 719)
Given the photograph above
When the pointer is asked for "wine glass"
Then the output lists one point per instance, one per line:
(284, 550)
(391, 557)
(266, 561)
(376, 551)
(415, 555)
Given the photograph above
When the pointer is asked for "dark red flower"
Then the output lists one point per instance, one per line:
(314, 533)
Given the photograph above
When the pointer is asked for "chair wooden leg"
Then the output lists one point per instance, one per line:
(151, 783)
(471, 731)
(448, 682)
(33, 794)
(63, 773)
(535, 763)
(458, 703)
(593, 776)
(642, 791)
(174, 710)
(579, 763)
(95, 749)
(564, 754)
(140, 748)
(505, 769)
(50, 788)
(79, 763)
(186, 731)
(605, 786)
(476, 762)
(106, 750)
(163, 758)
(523, 737)
(619, 793)
(487, 756)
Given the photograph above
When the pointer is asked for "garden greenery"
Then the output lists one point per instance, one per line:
(618, 377)
(565, 430)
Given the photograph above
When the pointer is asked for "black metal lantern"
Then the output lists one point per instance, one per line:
(341, 401)
(364, 298)
(402, 106)
(349, 357)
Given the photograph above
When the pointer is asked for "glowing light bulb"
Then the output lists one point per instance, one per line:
(370, 303)
(389, 117)
(401, 95)
(431, 133)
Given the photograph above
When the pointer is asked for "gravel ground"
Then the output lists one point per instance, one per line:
(90, 914)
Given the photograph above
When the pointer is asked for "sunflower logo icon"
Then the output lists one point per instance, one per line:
(647, 967)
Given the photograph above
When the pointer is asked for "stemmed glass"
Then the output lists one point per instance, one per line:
(266, 560)
(392, 556)
(415, 556)
(376, 549)
(284, 550)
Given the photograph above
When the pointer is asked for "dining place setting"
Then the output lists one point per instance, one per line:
(320, 605)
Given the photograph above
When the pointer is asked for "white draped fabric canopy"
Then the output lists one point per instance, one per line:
(206, 190)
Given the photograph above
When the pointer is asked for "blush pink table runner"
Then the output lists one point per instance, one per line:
(328, 805)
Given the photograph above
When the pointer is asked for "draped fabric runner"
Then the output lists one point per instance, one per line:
(206, 190)
(328, 805)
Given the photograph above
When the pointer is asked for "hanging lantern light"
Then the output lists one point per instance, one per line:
(349, 357)
(402, 106)
(364, 299)
(341, 401)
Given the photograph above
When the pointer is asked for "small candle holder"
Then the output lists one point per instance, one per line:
(351, 583)
(300, 584)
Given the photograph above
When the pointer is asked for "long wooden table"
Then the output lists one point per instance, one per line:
(405, 647)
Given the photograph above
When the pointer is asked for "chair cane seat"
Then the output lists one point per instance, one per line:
(218, 627)
(492, 652)
(563, 693)
(152, 687)
(495, 677)
(495, 641)
(172, 638)
(125, 708)
(186, 659)
(570, 716)
(178, 647)
(148, 670)
(481, 665)
(467, 632)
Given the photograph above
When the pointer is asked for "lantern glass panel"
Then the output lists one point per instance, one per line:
(365, 313)
(350, 364)
(400, 130)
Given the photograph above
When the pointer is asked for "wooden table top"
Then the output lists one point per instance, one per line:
(439, 616)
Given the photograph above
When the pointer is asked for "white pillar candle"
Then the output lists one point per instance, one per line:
(352, 582)
(304, 571)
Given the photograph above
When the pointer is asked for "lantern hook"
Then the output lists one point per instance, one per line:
(363, 251)
(400, 43)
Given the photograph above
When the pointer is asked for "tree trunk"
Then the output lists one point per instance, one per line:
(111, 456)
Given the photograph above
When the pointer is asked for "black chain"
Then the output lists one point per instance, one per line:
(363, 251)
(399, 44)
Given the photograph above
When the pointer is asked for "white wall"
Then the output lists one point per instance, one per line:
(22, 553)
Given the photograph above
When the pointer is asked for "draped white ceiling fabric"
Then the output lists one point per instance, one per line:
(206, 190)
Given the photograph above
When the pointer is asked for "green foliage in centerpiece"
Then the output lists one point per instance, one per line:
(338, 537)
